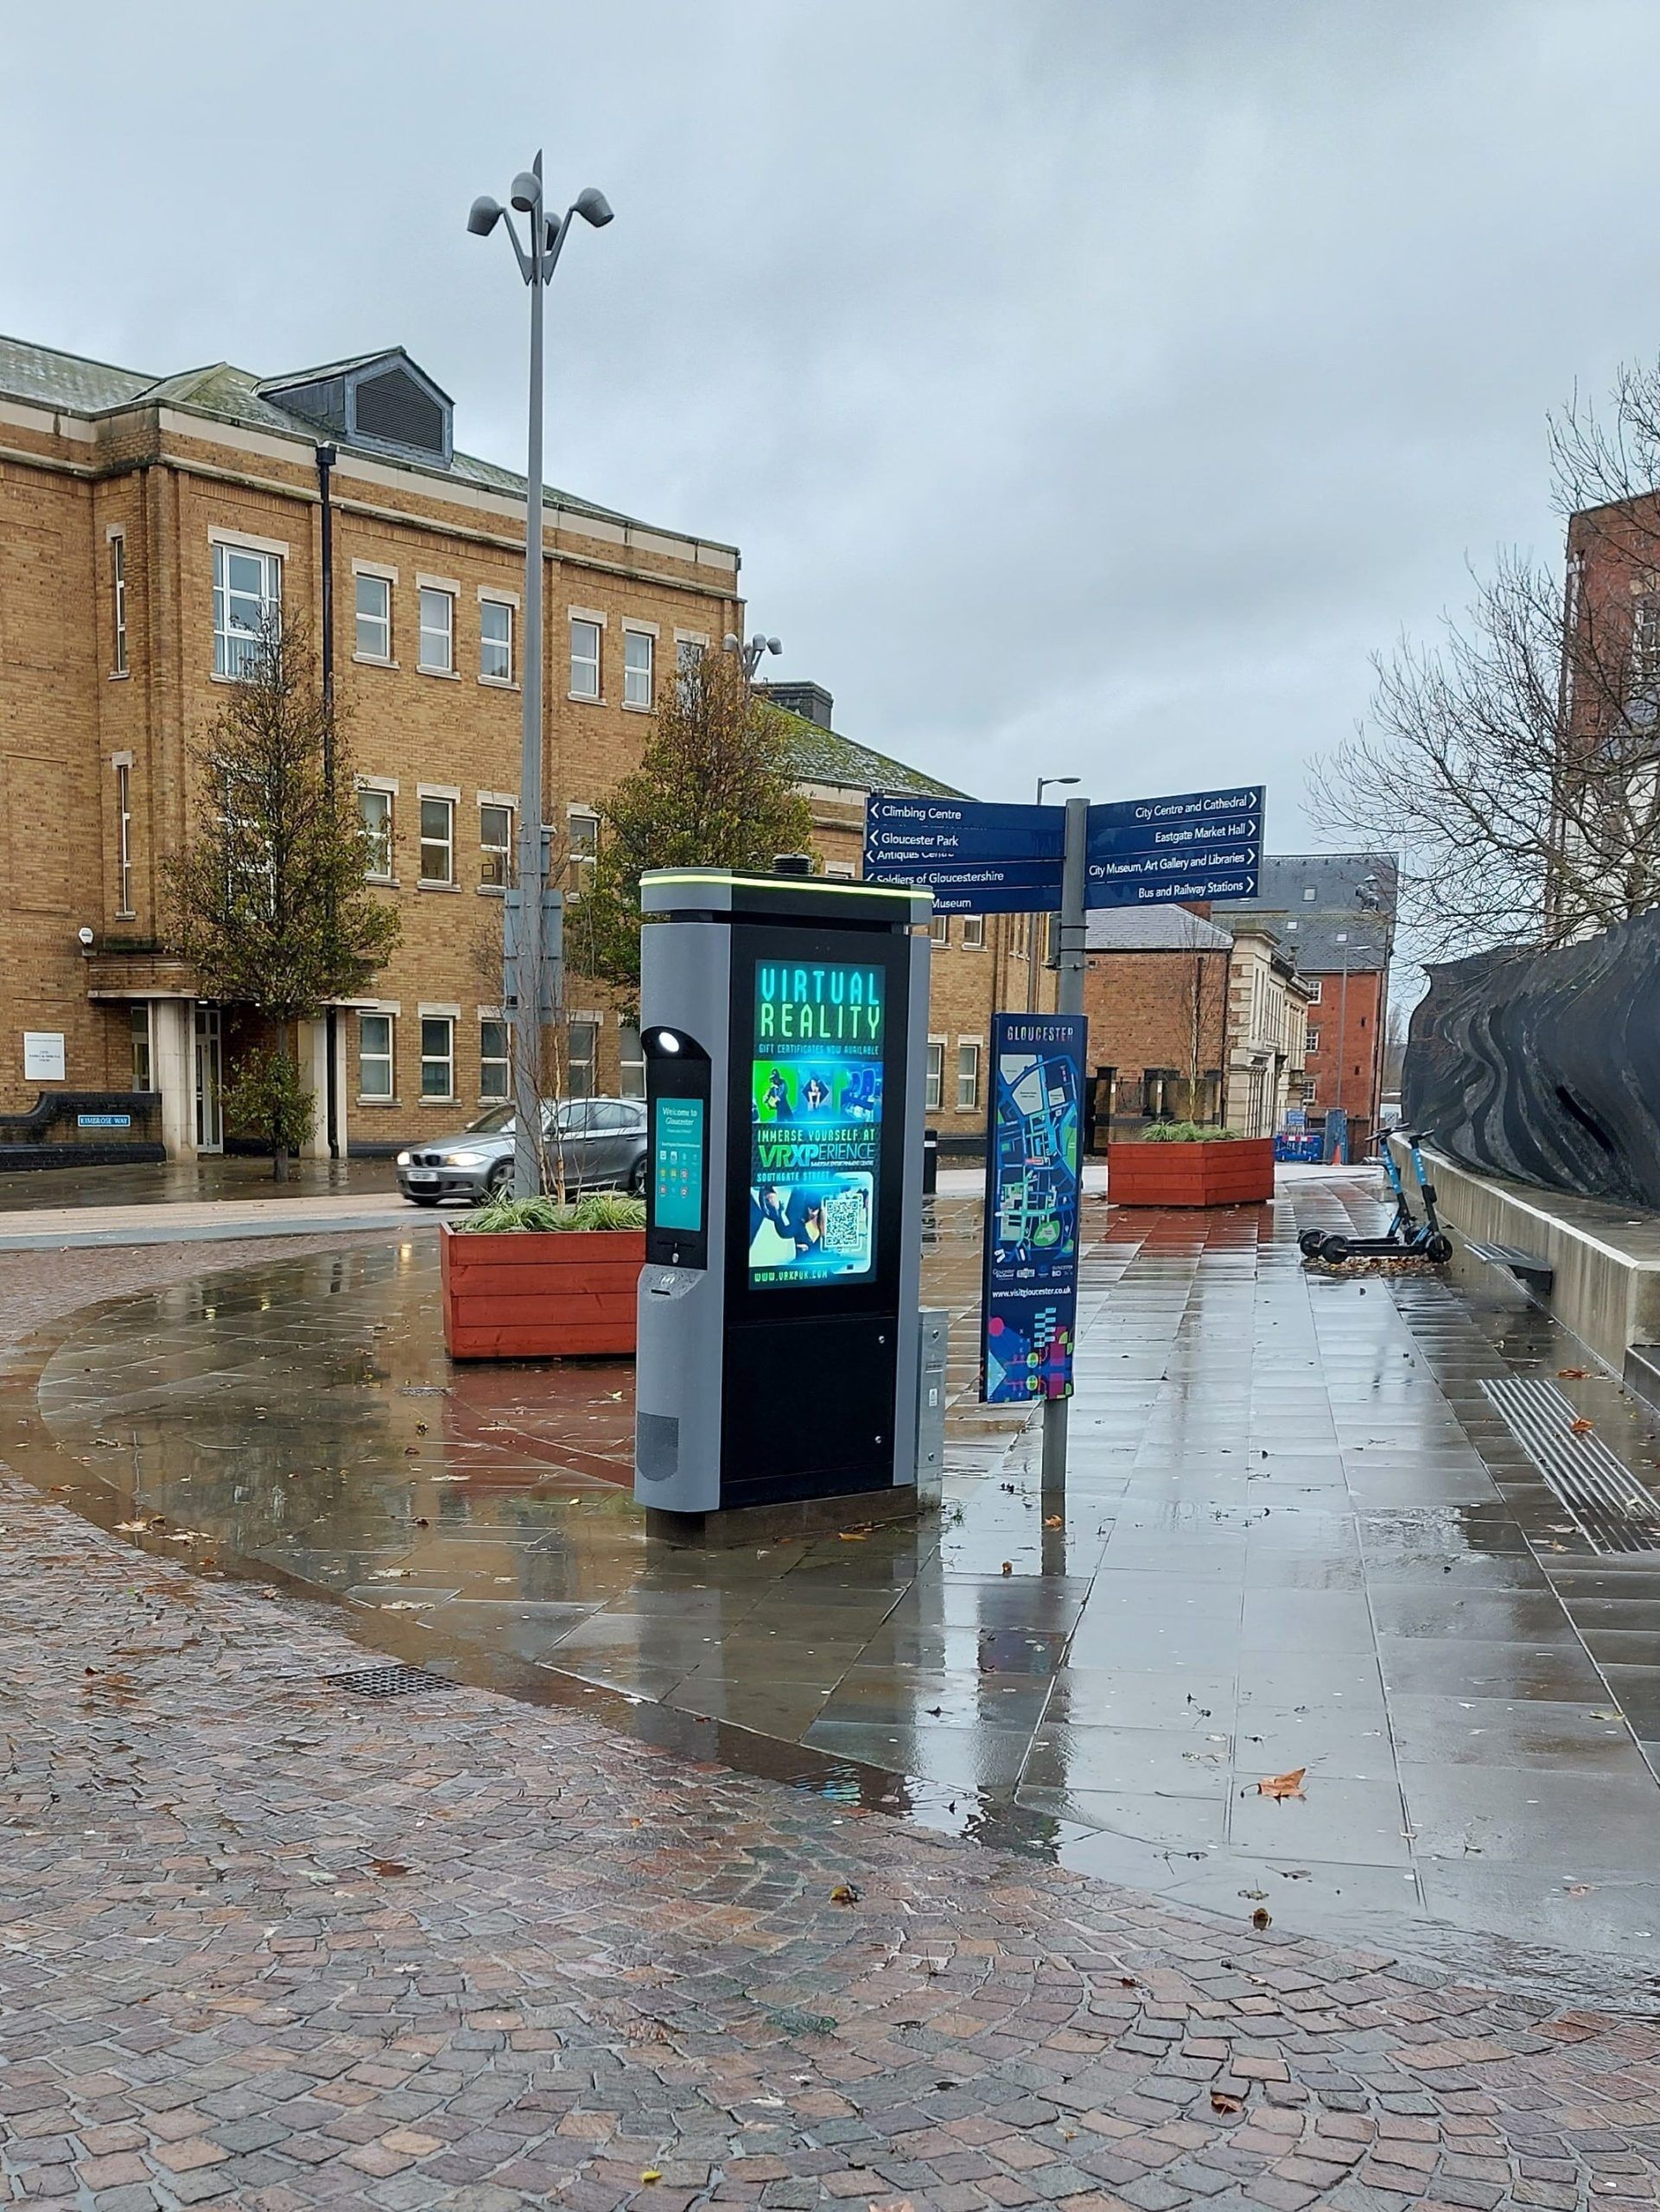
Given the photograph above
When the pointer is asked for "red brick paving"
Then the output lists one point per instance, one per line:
(604, 1962)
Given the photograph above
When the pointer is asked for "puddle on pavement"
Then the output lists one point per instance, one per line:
(1295, 1533)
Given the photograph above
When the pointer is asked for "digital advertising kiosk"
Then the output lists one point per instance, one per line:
(784, 1023)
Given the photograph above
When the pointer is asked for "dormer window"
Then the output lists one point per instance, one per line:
(382, 401)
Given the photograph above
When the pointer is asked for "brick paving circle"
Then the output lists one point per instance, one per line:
(263, 1944)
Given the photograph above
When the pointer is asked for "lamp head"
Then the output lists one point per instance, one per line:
(526, 194)
(732, 643)
(593, 207)
(485, 215)
(775, 645)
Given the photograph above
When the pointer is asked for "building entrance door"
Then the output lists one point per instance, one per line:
(210, 1128)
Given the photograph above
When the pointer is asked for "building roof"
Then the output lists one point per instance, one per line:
(824, 756)
(69, 383)
(1310, 928)
(1153, 929)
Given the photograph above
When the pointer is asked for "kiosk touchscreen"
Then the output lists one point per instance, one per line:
(783, 1022)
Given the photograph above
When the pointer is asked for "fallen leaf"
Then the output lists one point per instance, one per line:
(845, 1893)
(1572, 1374)
(1581, 1889)
(652, 2173)
(387, 1867)
(1262, 1918)
(853, 1535)
(1008, 1567)
(1581, 1427)
(1220, 2103)
(1283, 1785)
(1054, 1522)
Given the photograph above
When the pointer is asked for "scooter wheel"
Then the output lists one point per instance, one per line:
(1334, 1251)
(1310, 1241)
(1439, 1249)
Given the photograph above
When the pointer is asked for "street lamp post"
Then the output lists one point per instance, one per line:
(1044, 784)
(537, 259)
(751, 653)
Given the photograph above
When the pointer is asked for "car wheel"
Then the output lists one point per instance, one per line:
(1334, 1251)
(497, 1181)
(637, 1179)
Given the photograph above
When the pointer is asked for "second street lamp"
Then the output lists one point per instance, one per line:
(537, 258)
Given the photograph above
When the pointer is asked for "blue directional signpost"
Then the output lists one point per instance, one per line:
(1002, 859)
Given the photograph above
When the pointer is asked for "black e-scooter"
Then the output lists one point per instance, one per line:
(1406, 1238)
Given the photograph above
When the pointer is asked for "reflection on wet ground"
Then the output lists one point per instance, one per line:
(1297, 1533)
(208, 1176)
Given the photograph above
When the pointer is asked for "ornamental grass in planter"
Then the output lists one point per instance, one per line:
(530, 1279)
(1186, 1164)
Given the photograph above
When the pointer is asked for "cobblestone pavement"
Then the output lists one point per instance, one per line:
(265, 1944)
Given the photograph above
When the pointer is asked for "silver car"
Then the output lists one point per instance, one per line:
(600, 1143)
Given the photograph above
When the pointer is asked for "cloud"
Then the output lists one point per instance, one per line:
(1091, 384)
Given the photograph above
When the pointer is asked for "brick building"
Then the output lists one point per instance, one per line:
(1190, 1020)
(1334, 913)
(148, 526)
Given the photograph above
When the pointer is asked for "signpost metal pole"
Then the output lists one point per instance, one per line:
(1070, 1000)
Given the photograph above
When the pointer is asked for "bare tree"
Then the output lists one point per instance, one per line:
(1511, 763)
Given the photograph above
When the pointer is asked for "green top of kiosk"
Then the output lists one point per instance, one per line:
(688, 891)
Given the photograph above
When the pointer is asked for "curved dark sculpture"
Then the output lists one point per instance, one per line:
(1546, 1065)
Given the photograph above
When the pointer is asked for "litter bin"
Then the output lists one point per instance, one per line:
(930, 1162)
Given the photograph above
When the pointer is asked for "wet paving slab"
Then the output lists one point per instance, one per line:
(1296, 1534)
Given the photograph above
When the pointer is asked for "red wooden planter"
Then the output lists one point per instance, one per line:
(530, 1293)
(1231, 1172)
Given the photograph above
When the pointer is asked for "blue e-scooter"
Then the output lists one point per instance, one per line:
(1406, 1238)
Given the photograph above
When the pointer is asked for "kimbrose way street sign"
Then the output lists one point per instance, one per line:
(1196, 845)
(975, 858)
(1007, 860)
(1029, 1311)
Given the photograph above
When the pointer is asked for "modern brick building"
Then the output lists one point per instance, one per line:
(148, 526)
(1190, 1021)
(1334, 913)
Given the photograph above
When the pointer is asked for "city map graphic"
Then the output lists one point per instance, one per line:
(1031, 1293)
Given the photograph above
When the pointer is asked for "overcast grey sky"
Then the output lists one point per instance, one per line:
(1091, 384)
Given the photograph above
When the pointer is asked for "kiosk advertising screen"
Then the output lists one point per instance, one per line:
(815, 1111)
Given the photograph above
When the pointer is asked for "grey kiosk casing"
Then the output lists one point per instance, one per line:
(784, 1020)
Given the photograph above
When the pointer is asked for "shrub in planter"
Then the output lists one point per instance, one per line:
(1185, 1164)
(529, 1279)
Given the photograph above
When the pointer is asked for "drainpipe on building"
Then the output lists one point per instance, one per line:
(326, 457)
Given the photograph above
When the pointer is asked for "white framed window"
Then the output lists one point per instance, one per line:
(974, 931)
(119, 599)
(437, 1056)
(935, 1088)
(138, 1016)
(493, 1058)
(438, 841)
(495, 844)
(639, 664)
(1312, 1040)
(437, 655)
(495, 641)
(124, 838)
(582, 1046)
(584, 657)
(689, 651)
(1314, 983)
(939, 929)
(375, 808)
(373, 638)
(247, 603)
(1309, 894)
(838, 871)
(631, 1062)
(968, 1075)
(374, 1055)
(582, 841)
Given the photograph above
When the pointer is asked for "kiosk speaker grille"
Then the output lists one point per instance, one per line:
(656, 1446)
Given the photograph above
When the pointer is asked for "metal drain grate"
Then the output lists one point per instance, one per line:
(388, 1681)
(1603, 1499)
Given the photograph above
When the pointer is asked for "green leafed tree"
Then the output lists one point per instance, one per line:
(267, 901)
(715, 789)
